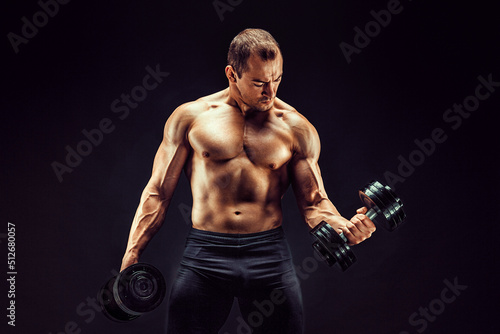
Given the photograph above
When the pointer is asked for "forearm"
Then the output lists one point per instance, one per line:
(357, 229)
(147, 221)
(322, 209)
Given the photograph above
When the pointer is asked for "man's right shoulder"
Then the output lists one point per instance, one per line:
(191, 110)
(186, 113)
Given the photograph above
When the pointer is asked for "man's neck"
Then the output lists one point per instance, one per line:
(255, 116)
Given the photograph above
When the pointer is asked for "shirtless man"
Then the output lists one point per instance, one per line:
(240, 148)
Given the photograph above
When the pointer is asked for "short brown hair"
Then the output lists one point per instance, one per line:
(248, 42)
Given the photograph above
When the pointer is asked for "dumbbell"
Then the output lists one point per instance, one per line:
(384, 208)
(136, 290)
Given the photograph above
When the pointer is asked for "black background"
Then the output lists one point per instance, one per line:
(70, 235)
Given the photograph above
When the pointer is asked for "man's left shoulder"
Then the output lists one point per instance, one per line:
(305, 137)
(292, 117)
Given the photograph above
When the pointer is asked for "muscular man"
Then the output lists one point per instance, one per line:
(240, 148)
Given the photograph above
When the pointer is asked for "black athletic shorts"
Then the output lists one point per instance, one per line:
(255, 268)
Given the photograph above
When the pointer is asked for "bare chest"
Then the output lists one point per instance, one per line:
(222, 136)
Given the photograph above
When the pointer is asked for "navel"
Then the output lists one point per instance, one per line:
(237, 213)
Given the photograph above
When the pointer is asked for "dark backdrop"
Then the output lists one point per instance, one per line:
(371, 113)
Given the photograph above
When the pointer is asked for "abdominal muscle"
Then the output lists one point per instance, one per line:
(236, 196)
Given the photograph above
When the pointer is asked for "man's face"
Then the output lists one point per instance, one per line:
(259, 84)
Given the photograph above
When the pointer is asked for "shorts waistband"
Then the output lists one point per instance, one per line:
(237, 238)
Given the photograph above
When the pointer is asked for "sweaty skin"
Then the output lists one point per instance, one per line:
(240, 149)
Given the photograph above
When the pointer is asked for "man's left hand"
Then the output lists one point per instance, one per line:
(359, 228)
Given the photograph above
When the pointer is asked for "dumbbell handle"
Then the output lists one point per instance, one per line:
(372, 213)
(382, 201)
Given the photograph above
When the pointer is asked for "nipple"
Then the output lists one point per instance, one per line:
(205, 154)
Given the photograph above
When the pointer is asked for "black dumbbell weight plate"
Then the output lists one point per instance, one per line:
(139, 288)
(109, 306)
(332, 246)
(369, 202)
(345, 257)
(383, 217)
(391, 193)
(393, 205)
(388, 208)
